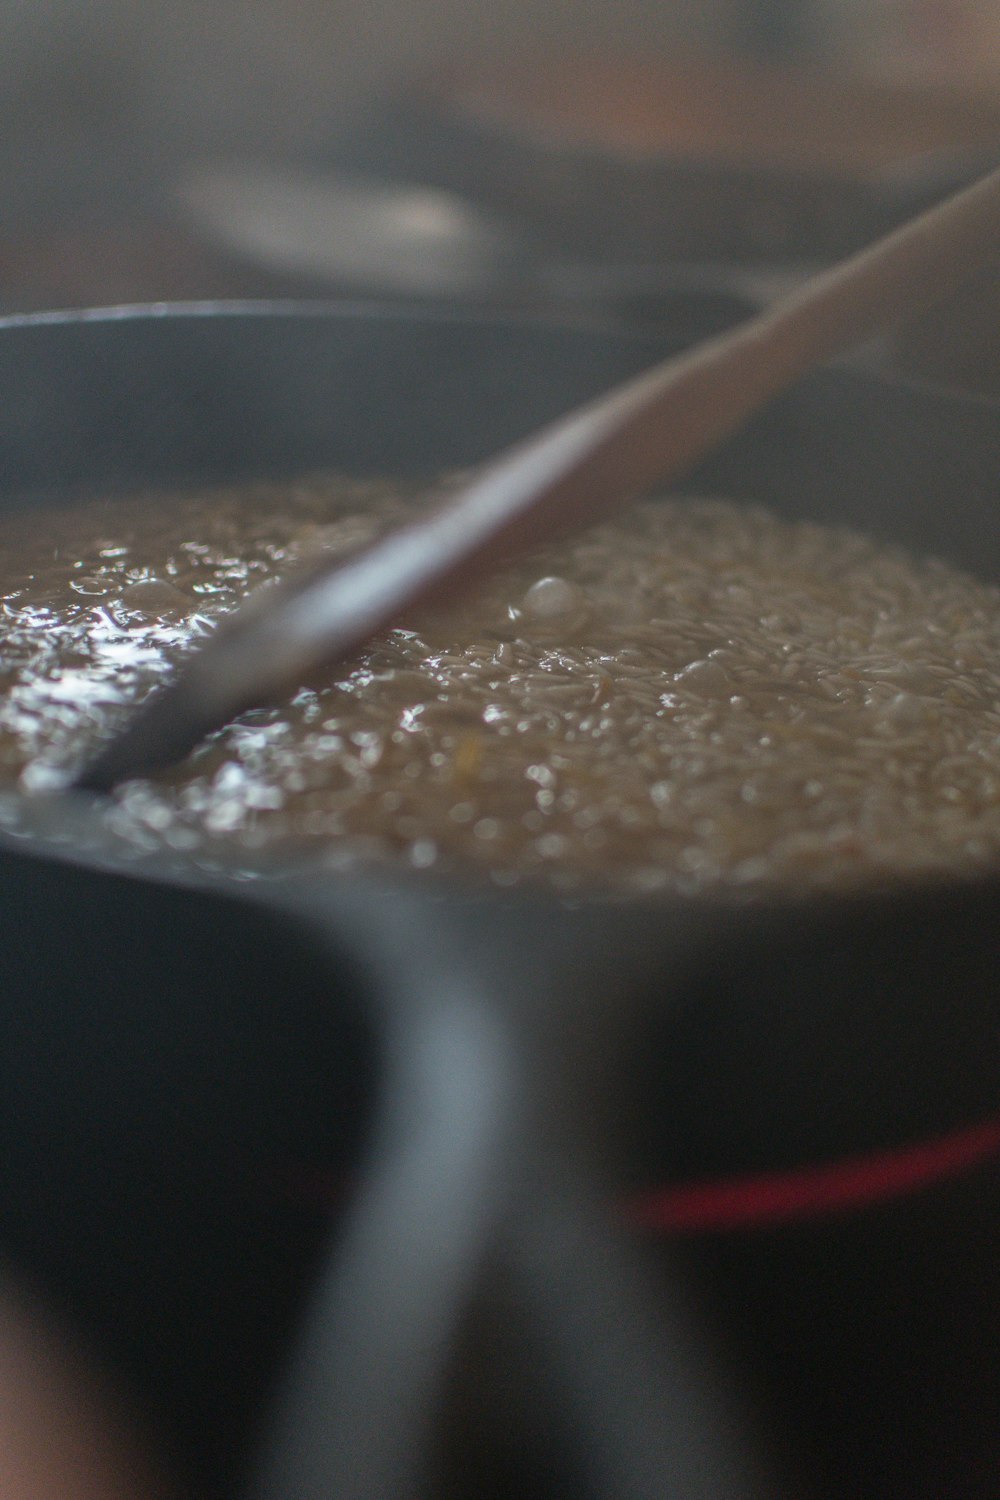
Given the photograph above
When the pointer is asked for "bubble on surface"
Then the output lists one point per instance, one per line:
(551, 598)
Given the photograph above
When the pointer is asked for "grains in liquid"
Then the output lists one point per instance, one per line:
(698, 696)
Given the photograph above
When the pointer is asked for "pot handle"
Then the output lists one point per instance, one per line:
(479, 1155)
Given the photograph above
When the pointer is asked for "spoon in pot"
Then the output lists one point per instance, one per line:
(578, 469)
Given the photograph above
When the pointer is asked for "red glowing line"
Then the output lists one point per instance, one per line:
(812, 1192)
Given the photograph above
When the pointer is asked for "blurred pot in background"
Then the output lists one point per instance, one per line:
(100, 101)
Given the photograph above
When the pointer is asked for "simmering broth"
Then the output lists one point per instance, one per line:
(697, 696)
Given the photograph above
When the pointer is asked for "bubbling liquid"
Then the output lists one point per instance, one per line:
(697, 696)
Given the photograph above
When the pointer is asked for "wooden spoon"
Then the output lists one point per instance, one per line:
(580, 468)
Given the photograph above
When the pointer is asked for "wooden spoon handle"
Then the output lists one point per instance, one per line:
(659, 424)
(581, 467)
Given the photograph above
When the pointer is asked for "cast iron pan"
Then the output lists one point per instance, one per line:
(797, 1109)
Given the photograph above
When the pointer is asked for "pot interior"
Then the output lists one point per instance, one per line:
(141, 398)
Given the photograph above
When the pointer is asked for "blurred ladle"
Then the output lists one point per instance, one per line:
(394, 239)
(576, 470)
(399, 239)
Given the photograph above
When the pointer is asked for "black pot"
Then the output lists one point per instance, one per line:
(796, 1106)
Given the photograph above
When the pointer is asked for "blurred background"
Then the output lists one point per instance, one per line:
(604, 157)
